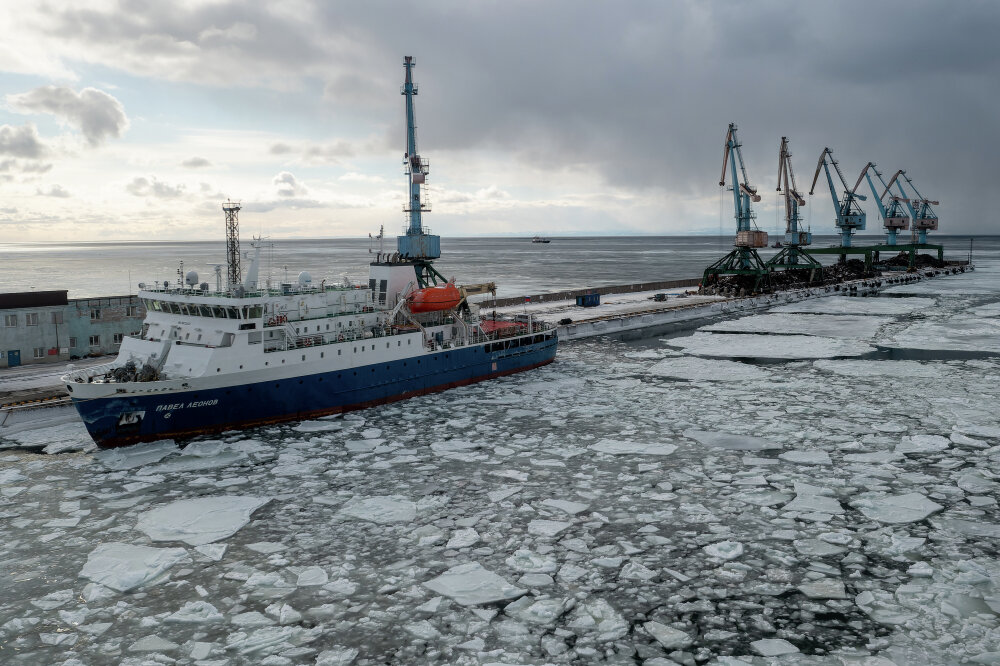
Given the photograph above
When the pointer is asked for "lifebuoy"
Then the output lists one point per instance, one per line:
(272, 322)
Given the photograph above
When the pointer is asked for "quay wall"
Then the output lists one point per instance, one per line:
(611, 289)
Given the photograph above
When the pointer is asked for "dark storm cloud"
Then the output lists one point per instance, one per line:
(642, 94)
(97, 114)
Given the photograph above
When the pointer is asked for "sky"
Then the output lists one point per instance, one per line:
(136, 119)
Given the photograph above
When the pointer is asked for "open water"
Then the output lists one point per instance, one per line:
(517, 265)
(817, 483)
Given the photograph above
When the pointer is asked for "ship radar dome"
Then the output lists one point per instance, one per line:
(191, 278)
(304, 278)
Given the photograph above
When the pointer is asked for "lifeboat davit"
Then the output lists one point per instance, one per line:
(434, 299)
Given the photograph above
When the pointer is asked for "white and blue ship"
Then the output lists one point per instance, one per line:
(251, 354)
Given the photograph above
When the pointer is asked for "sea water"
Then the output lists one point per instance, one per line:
(814, 484)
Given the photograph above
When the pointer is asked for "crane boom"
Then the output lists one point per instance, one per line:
(850, 215)
(894, 217)
(743, 261)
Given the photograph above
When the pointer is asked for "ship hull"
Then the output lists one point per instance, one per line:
(126, 418)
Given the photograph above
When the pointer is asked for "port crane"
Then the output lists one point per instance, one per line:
(416, 246)
(743, 259)
(791, 256)
(894, 218)
(850, 216)
(924, 217)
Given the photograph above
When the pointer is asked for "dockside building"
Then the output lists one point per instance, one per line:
(46, 326)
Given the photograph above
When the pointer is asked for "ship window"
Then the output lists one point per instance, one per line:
(219, 312)
(399, 343)
(338, 352)
(328, 327)
(241, 367)
(218, 369)
(322, 354)
(387, 345)
(256, 311)
(187, 336)
(303, 357)
(206, 311)
(282, 360)
(234, 313)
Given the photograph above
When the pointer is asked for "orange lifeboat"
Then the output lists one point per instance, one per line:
(433, 299)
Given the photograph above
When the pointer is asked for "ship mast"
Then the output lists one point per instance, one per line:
(417, 246)
(235, 274)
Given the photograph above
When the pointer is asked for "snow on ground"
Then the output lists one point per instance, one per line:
(816, 509)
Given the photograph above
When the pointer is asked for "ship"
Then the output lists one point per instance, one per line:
(250, 352)
(540, 239)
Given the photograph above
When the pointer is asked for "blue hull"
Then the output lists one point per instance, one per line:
(120, 420)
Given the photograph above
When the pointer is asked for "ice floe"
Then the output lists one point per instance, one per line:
(751, 345)
(122, 566)
(382, 510)
(630, 447)
(725, 440)
(828, 325)
(693, 368)
(896, 509)
(200, 520)
(470, 584)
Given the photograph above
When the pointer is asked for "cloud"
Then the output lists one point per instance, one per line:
(328, 153)
(21, 141)
(288, 186)
(151, 187)
(294, 203)
(57, 191)
(195, 163)
(318, 153)
(33, 167)
(95, 113)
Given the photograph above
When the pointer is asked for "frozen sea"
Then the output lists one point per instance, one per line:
(816, 484)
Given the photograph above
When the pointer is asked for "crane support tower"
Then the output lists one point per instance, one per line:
(416, 246)
(894, 218)
(791, 256)
(850, 215)
(924, 217)
(743, 260)
(235, 274)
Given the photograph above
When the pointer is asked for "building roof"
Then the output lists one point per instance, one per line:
(32, 299)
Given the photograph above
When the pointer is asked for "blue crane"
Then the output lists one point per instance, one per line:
(850, 216)
(894, 218)
(743, 194)
(924, 217)
(791, 255)
(743, 260)
(416, 246)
